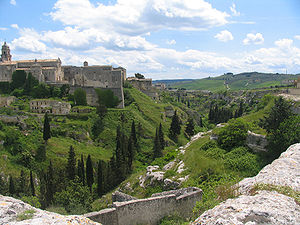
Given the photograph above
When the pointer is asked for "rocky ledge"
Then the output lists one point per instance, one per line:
(16, 212)
(262, 207)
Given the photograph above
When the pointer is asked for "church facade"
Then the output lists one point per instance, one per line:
(52, 72)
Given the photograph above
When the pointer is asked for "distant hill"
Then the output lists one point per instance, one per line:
(242, 81)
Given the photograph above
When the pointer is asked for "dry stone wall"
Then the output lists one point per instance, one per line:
(149, 211)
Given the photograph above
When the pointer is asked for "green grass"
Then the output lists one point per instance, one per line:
(244, 81)
(285, 190)
(202, 84)
(26, 215)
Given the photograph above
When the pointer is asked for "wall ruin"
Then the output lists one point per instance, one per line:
(150, 210)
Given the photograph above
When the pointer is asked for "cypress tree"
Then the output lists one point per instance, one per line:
(133, 134)
(241, 109)
(11, 188)
(49, 185)
(157, 151)
(32, 184)
(161, 137)
(190, 127)
(82, 170)
(46, 130)
(79, 174)
(41, 153)
(200, 122)
(71, 166)
(2, 185)
(100, 180)
(89, 172)
(22, 183)
(175, 127)
(130, 152)
(120, 156)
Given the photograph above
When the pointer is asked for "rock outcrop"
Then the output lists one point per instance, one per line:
(16, 212)
(262, 207)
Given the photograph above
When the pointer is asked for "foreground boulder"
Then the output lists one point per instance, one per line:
(262, 207)
(13, 211)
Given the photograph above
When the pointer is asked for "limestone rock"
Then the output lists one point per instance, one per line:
(180, 167)
(284, 171)
(118, 196)
(256, 142)
(169, 165)
(263, 208)
(12, 210)
(170, 184)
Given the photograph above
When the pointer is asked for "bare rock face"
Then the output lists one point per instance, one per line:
(264, 207)
(16, 212)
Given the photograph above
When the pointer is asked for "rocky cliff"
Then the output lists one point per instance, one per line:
(270, 206)
(16, 212)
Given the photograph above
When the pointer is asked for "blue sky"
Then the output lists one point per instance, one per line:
(163, 39)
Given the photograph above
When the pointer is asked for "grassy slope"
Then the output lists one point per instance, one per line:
(144, 111)
(202, 84)
(237, 82)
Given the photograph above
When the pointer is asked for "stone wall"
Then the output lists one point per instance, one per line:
(148, 211)
(92, 98)
(50, 106)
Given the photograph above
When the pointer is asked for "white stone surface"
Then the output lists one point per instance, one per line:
(11, 208)
(262, 208)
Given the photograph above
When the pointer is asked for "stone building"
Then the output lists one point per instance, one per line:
(43, 69)
(6, 100)
(144, 85)
(50, 106)
(52, 72)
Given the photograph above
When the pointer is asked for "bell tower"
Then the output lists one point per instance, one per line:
(5, 53)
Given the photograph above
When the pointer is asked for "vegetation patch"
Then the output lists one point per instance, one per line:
(285, 190)
(26, 215)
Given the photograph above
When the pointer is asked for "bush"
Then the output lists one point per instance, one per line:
(215, 153)
(233, 135)
(240, 160)
(32, 200)
(75, 198)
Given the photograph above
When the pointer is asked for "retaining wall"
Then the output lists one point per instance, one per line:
(148, 211)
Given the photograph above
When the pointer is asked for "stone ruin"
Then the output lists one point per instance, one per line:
(150, 210)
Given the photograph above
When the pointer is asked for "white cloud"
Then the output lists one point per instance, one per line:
(254, 39)
(224, 36)
(3, 28)
(234, 11)
(29, 41)
(171, 42)
(13, 2)
(14, 26)
(297, 37)
(133, 17)
(284, 43)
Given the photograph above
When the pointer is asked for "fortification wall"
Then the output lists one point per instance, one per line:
(148, 211)
(92, 97)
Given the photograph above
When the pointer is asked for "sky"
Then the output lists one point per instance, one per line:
(162, 39)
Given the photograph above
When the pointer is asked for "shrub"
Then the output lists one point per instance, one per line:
(242, 161)
(233, 135)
